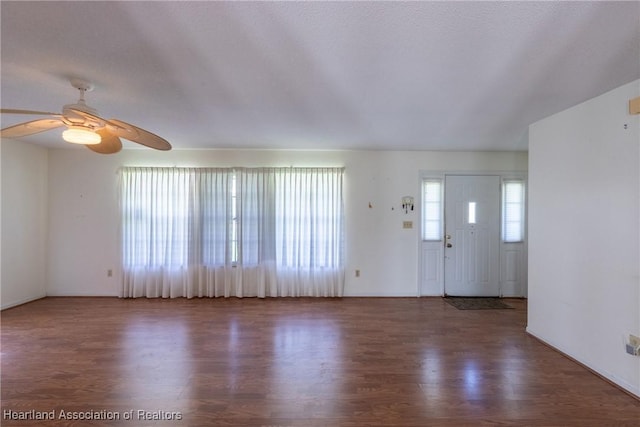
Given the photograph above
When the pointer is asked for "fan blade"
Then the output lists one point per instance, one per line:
(30, 128)
(110, 143)
(135, 134)
(128, 131)
(11, 111)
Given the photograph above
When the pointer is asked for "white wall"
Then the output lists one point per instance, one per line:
(83, 217)
(584, 229)
(24, 223)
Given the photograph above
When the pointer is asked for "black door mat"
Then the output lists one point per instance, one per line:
(476, 303)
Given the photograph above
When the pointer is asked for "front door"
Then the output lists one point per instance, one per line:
(472, 239)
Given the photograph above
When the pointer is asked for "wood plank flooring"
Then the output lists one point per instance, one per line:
(291, 362)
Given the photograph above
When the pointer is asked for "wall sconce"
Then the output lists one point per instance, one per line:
(407, 204)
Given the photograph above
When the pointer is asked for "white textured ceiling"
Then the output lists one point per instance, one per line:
(319, 75)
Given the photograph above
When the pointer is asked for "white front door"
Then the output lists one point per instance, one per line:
(472, 235)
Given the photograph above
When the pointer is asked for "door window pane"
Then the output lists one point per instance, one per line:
(472, 213)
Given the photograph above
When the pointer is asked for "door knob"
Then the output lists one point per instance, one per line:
(449, 245)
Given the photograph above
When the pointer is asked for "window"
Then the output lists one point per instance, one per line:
(155, 216)
(187, 226)
(233, 223)
(513, 210)
(432, 209)
(471, 217)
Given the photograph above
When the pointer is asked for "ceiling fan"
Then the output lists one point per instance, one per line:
(84, 126)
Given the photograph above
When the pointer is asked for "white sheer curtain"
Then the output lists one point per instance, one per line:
(197, 232)
(155, 219)
(309, 232)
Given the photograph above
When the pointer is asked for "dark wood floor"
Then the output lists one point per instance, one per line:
(292, 362)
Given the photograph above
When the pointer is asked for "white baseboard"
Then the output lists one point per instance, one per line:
(80, 294)
(632, 389)
(20, 302)
(378, 295)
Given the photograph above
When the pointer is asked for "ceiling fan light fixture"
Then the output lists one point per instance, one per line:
(84, 126)
(81, 135)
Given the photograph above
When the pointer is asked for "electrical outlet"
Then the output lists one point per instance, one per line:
(633, 346)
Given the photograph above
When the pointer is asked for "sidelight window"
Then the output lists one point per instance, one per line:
(513, 205)
(432, 209)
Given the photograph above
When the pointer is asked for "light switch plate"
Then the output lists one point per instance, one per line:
(407, 224)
